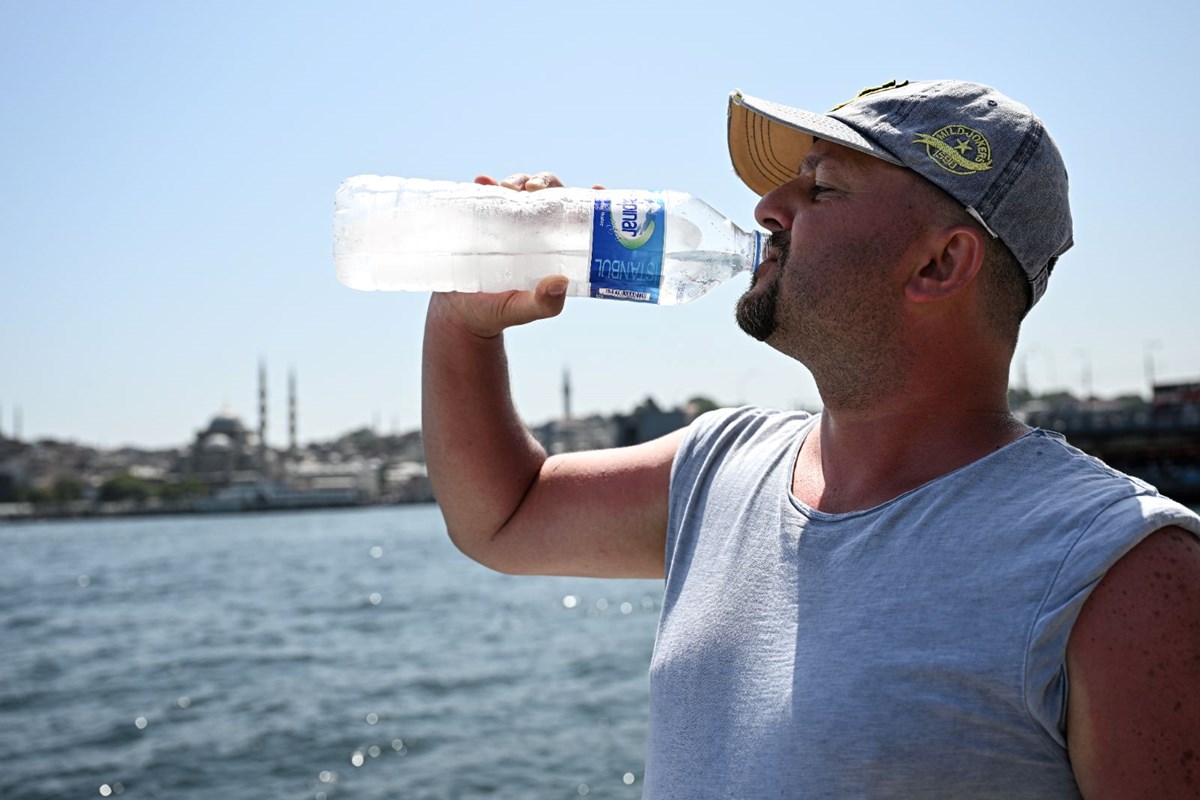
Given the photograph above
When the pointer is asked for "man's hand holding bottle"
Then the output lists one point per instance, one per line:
(486, 315)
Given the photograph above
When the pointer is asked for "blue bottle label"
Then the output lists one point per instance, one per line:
(627, 248)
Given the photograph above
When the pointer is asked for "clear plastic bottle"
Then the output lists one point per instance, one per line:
(423, 235)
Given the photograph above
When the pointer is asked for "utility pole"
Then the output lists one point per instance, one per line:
(292, 447)
(262, 417)
(566, 391)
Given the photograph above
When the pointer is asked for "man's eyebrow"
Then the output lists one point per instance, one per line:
(810, 162)
(838, 163)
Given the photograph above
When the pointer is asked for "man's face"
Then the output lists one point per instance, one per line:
(843, 233)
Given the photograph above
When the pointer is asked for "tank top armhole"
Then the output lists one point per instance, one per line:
(1134, 517)
(707, 440)
(697, 441)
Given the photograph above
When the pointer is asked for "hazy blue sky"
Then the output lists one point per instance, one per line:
(168, 172)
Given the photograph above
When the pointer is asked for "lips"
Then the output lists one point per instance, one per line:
(768, 265)
(777, 249)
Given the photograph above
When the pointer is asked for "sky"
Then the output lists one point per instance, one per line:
(167, 173)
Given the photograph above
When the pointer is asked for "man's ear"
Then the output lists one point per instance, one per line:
(955, 257)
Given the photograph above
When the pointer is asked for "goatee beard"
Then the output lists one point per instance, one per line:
(757, 314)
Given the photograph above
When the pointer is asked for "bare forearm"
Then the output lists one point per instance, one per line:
(481, 458)
(507, 505)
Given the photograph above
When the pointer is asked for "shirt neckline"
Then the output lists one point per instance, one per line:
(826, 516)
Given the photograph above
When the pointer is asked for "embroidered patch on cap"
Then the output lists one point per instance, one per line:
(957, 149)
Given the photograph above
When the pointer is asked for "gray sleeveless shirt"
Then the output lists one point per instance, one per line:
(912, 650)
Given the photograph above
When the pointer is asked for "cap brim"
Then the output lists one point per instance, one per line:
(768, 141)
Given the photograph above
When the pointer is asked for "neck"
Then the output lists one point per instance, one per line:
(863, 455)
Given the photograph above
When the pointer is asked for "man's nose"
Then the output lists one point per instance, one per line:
(776, 209)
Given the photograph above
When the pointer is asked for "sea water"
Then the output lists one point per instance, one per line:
(332, 654)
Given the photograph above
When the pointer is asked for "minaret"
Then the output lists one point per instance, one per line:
(292, 413)
(566, 390)
(262, 417)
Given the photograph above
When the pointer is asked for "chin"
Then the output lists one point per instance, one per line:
(756, 312)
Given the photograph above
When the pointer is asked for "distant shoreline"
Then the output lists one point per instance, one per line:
(14, 513)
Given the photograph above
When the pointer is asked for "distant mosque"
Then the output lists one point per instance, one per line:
(228, 452)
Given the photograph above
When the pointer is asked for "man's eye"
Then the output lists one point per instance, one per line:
(817, 190)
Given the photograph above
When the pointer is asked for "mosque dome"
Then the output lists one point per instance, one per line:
(226, 423)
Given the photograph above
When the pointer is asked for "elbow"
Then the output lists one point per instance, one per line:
(485, 534)
(483, 549)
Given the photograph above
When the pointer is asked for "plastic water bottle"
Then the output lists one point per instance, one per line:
(423, 235)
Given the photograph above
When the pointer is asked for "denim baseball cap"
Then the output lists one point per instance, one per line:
(988, 152)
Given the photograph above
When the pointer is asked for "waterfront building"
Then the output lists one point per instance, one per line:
(224, 452)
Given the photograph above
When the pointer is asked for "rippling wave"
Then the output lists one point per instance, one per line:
(348, 654)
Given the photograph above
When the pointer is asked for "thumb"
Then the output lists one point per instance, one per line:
(551, 294)
(546, 300)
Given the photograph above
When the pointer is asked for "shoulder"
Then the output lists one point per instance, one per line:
(744, 423)
(734, 434)
(730, 444)
(1109, 511)
(1134, 652)
(1154, 585)
(1050, 453)
(1082, 497)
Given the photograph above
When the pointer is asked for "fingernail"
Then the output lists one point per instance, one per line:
(557, 289)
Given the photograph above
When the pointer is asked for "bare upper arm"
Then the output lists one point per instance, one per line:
(599, 514)
(1133, 719)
